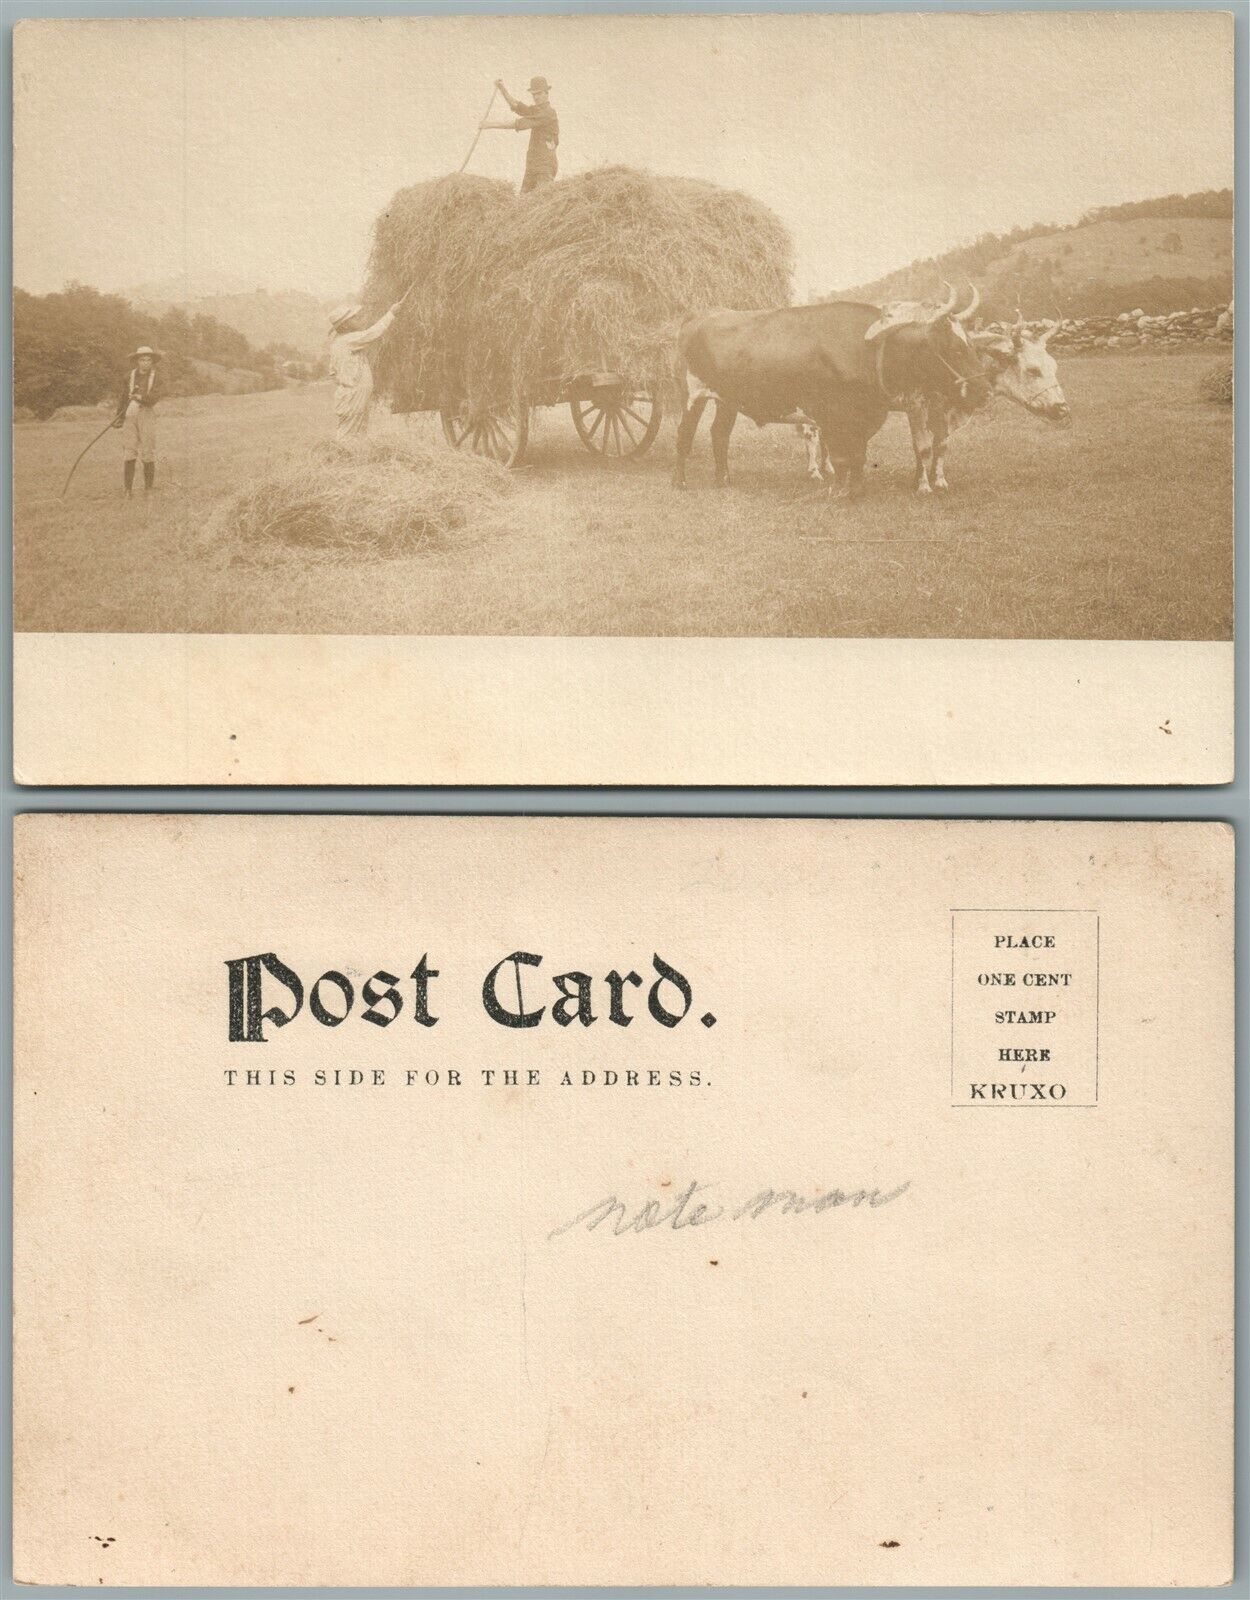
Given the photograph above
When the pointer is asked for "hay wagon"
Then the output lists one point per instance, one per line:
(570, 295)
(615, 420)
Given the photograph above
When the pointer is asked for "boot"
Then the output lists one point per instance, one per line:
(149, 475)
(128, 477)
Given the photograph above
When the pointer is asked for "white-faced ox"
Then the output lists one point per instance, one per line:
(1018, 366)
(813, 364)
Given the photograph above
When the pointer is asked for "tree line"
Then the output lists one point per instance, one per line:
(71, 348)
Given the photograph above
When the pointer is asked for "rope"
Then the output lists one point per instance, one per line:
(961, 383)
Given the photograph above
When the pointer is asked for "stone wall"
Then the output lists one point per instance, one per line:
(1133, 330)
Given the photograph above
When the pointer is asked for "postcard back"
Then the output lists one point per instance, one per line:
(465, 1202)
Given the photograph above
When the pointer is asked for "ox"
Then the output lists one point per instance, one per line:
(1017, 365)
(813, 364)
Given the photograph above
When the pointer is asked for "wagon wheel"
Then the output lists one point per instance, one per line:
(500, 432)
(617, 425)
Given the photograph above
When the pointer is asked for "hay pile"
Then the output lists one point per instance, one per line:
(383, 500)
(515, 293)
(1217, 383)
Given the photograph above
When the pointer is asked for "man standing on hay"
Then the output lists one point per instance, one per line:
(544, 130)
(136, 414)
(349, 366)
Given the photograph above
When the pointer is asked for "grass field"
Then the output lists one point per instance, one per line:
(1120, 528)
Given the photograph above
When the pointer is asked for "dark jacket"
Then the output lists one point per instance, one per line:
(135, 386)
(543, 127)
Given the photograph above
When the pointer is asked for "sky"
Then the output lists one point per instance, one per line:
(258, 153)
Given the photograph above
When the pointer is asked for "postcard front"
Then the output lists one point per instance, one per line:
(472, 1202)
(774, 399)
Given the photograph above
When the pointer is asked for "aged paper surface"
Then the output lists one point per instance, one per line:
(889, 1242)
(518, 361)
(227, 709)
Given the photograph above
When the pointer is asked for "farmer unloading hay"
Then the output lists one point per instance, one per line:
(136, 416)
(543, 126)
(349, 366)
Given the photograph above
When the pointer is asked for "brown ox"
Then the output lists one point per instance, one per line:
(1018, 366)
(834, 365)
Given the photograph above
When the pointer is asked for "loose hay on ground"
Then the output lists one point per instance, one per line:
(383, 501)
(1217, 383)
(516, 293)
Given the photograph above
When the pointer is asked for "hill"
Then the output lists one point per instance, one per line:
(186, 286)
(290, 320)
(1163, 255)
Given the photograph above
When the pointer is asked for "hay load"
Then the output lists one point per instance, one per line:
(515, 294)
(439, 237)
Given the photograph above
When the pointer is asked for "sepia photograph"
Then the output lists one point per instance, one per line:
(755, 328)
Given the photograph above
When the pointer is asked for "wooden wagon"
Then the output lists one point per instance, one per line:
(615, 420)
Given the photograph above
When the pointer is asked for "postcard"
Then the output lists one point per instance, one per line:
(615, 400)
(468, 1202)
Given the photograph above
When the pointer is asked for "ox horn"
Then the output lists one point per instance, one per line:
(1044, 338)
(945, 310)
(1017, 328)
(966, 313)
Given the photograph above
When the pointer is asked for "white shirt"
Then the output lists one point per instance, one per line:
(348, 365)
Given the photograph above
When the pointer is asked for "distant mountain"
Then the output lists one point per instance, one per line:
(1160, 255)
(289, 318)
(191, 286)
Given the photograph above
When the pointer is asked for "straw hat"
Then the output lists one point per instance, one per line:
(145, 350)
(539, 83)
(345, 313)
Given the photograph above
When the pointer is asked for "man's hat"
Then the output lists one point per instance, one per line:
(344, 313)
(145, 350)
(539, 83)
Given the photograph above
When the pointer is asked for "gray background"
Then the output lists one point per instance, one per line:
(1230, 803)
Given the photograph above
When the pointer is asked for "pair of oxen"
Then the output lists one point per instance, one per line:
(839, 368)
